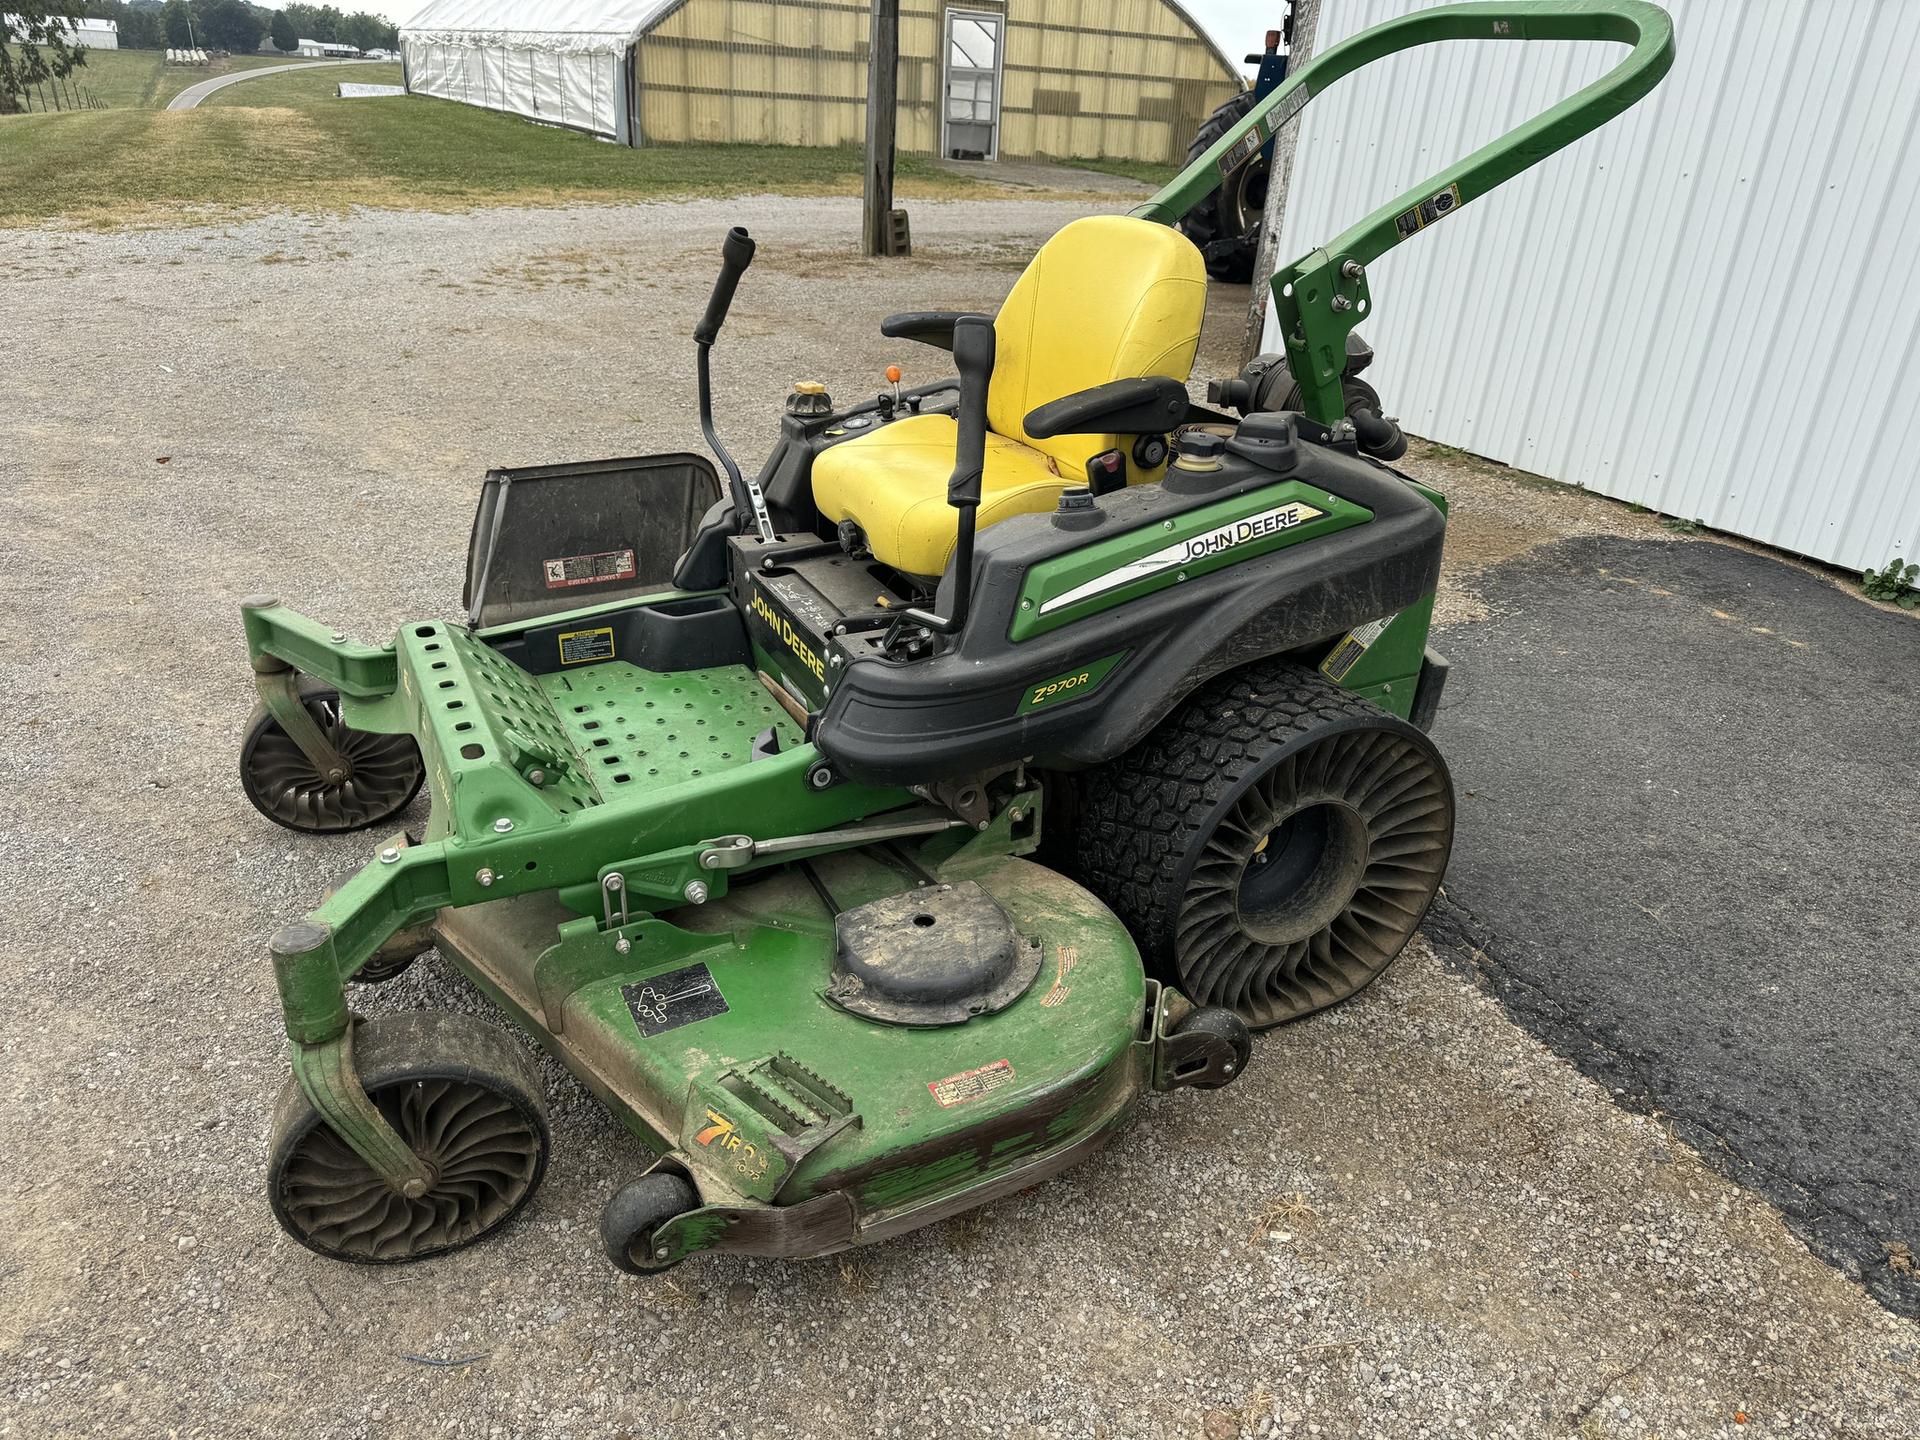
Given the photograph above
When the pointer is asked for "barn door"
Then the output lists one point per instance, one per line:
(970, 114)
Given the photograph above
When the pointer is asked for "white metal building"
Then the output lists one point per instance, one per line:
(1711, 306)
(95, 34)
(978, 79)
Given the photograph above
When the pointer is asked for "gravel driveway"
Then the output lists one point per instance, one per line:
(1408, 1219)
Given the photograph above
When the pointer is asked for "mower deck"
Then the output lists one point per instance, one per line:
(712, 1029)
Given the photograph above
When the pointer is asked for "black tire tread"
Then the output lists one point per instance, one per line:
(1140, 812)
(636, 1209)
(1204, 223)
(260, 718)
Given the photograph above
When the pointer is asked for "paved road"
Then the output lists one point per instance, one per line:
(194, 94)
(1690, 859)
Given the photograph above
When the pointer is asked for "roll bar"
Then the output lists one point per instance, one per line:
(1320, 298)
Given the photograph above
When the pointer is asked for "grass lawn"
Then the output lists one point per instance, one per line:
(142, 79)
(286, 140)
(1146, 172)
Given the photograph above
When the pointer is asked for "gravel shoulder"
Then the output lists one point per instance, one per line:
(1409, 1218)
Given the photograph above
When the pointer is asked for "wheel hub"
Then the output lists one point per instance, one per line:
(1303, 872)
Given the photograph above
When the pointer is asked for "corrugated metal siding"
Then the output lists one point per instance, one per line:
(1120, 79)
(1710, 307)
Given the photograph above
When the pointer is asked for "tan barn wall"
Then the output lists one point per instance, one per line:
(1117, 79)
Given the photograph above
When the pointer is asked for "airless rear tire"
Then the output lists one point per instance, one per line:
(1272, 844)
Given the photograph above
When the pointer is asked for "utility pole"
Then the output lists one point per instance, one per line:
(883, 98)
(1306, 20)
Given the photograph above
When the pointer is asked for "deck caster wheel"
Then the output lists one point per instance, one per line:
(383, 772)
(468, 1101)
(636, 1210)
(1273, 843)
(1209, 1048)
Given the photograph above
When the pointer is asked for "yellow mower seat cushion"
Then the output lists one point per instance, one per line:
(1107, 298)
(893, 484)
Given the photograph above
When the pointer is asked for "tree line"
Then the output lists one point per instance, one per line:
(238, 26)
(37, 46)
(34, 46)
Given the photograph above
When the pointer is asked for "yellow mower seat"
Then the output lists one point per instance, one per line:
(1107, 298)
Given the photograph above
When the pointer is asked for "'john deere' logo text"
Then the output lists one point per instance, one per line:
(1230, 535)
(790, 635)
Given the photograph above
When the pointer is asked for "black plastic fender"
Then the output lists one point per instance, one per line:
(889, 722)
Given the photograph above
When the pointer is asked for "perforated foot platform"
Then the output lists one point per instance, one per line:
(637, 727)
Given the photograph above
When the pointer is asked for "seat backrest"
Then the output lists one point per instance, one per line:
(1107, 298)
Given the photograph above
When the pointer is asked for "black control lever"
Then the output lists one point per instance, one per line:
(736, 253)
(973, 352)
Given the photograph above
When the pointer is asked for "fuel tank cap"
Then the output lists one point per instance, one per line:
(1200, 450)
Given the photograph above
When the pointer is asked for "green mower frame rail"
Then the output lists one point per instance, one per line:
(530, 843)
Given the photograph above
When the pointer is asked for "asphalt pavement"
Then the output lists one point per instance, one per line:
(1689, 859)
(194, 94)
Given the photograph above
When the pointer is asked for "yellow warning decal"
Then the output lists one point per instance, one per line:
(1344, 656)
(578, 647)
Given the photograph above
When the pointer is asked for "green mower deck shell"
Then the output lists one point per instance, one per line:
(775, 1095)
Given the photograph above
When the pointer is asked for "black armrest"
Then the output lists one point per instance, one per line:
(1149, 405)
(929, 327)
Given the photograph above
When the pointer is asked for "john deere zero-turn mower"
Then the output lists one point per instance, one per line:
(738, 789)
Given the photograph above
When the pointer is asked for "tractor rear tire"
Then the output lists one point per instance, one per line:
(1273, 844)
(1234, 209)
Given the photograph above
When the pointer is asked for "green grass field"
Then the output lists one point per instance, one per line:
(1147, 172)
(288, 141)
(141, 79)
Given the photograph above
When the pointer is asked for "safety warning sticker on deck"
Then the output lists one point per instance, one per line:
(971, 1084)
(679, 997)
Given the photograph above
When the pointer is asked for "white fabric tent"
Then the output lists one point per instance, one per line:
(560, 61)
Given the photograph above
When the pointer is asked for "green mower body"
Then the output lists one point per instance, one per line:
(862, 897)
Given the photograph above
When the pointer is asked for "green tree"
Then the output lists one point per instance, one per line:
(285, 37)
(177, 21)
(230, 25)
(367, 32)
(316, 22)
(140, 29)
(36, 47)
